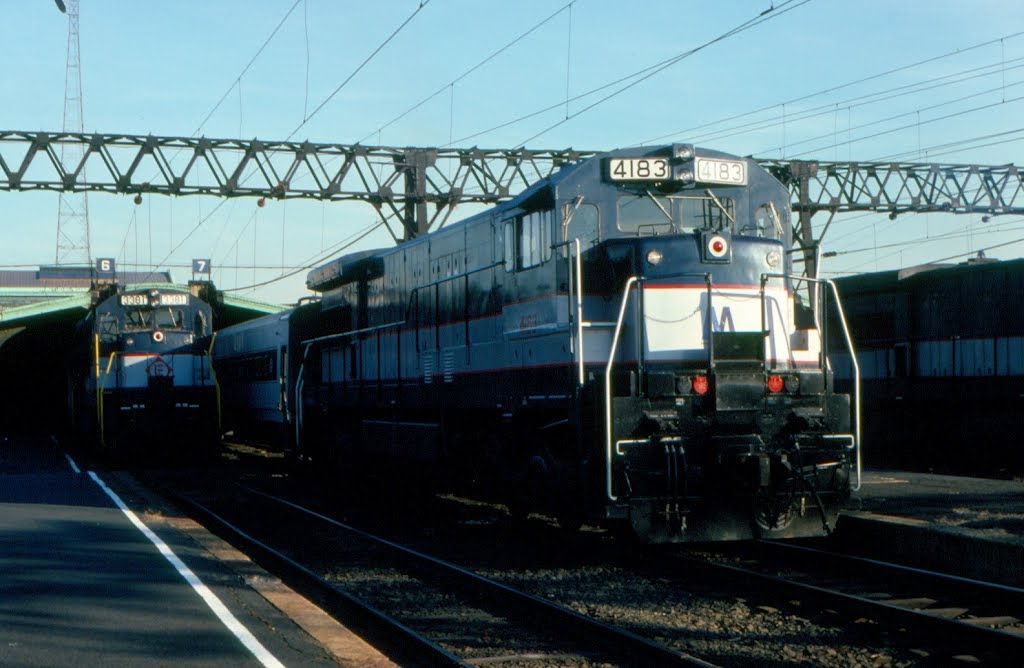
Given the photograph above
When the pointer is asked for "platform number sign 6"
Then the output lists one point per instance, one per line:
(105, 265)
(201, 266)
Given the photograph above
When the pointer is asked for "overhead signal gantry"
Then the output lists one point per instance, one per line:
(420, 187)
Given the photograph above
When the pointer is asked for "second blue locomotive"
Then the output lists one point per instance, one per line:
(140, 380)
(623, 343)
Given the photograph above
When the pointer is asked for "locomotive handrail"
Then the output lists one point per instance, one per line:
(216, 383)
(608, 387)
(300, 382)
(578, 299)
(414, 295)
(99, 392)
(353, 332)
(849, 345)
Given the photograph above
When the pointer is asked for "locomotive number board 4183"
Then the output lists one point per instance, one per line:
(639, 169)
(729, 172)
(706, 170)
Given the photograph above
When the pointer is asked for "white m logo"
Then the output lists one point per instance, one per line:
(724, 323)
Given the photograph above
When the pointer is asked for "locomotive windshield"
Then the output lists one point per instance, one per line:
(161, 318)
(649, 214)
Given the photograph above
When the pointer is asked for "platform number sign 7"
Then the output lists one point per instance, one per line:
(201, 266)
(105, 266)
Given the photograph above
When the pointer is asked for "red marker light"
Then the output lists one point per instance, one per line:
(699, 385)
(775, 384)
(717, 246)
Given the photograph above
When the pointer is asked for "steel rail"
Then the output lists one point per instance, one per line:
(395, 639)
(992, 593)
(948, 633)
(634, 649)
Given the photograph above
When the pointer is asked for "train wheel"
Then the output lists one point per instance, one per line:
(518, 504)
(570, 519)
(525, 494)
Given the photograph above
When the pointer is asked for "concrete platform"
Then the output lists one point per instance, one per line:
(969, 526)
(92, 573)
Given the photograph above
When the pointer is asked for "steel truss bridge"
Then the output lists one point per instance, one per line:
(414, 190)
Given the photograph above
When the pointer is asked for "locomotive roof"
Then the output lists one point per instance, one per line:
(346, 268)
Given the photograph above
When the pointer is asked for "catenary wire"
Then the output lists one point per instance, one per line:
(465, 74)
(826, 91)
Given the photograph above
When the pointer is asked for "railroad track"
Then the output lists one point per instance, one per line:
(415, 626)
(963, 616)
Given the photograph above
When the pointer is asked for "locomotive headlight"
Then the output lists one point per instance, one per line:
(682, 152)
(654, 257)
(773, 258)
(683, 175)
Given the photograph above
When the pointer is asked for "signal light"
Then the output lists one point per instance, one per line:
(699, 384)
(775, 384)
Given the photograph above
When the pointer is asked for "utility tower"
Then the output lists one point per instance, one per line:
(73, 210)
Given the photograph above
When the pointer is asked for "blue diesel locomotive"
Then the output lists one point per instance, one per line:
(140, 381)
(623, 343)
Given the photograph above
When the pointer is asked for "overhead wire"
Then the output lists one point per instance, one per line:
(850, 103)
(306, 119)
(947, 237)
(238, 79)
(634, 78)
(236, 83)
(894, 117)
(315, 260)
(472, 69)
(832, 89)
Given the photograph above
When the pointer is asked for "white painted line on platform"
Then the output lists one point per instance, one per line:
(219, 609)
(71, 462)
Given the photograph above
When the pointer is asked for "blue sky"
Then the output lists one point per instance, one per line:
(162, 68)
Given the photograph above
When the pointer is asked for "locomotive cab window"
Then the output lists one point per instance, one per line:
(584, 224)
(766, 223)
(527, 240)
(706, 212)
(108, 327)
(169, 318)
(647, 214)
(135, 320)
